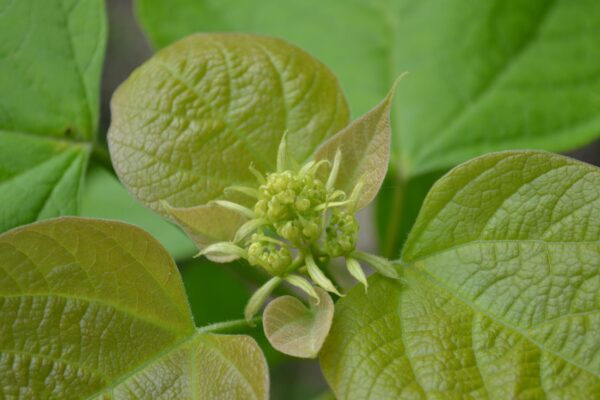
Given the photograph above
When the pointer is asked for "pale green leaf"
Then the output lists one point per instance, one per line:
(365, 152)
(296, 330)
(51, 55)
(191, 121)
(501, 297)
(96, 309)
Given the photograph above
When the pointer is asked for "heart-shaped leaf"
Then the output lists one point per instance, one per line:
(296, 330)
(501, 291)
(364, 146)
(95, 309)
(192, 120)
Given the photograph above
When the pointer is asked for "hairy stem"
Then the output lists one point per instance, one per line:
(230, 326)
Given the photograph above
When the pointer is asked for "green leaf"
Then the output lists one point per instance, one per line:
(51, 55)
(191, 121)
(484, 75)
(105, 197)
(365, 152)
(51, 59)
(296, 330)
(96, 309)
(501, 293)
(38, 178)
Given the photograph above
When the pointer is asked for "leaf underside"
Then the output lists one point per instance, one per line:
(96, 309)
(502, 291)
(296, 330)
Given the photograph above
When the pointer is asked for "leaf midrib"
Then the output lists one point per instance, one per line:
(476, 309)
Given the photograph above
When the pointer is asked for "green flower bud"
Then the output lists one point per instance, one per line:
(342, 233)
(311, 230)
(302, 204)
(290, 203)
(290, 231)
(263, 251)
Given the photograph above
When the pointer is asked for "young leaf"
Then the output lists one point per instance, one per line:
(49, 91)
(207, 224)
(191, 121)
(502, 284)
(102, 304)
(296, 330)
(365, 151)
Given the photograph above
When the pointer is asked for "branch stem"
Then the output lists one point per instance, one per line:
(230, 326)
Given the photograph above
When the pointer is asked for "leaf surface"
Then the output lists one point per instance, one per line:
(96, 309)
(296, 330)
(39, 178)
(51, 56)
(502, 291)
(190, 121)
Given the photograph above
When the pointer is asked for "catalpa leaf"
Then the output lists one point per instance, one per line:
(364, 148)
(296, 330)
(51, 55)
(484, 75)
(501, 291)
(191, 121)
(96, 309)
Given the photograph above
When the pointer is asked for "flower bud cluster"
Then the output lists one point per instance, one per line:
(297, 224)
(289, 201)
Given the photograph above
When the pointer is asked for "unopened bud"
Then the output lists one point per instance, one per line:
(260, 296)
